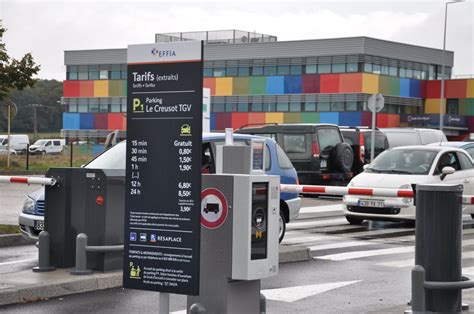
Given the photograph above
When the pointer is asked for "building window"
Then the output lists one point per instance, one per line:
(269, 107)
(452, 106)
(231, 72)
(352, 67)
(324, 68)
(338, 68)
(124, 75)
(351, 106)
(392, 71)
(269, 70)
(310, 106)
(311, 68)
(417, 74)
(73, 108)
(72, 76)
(103, 108)
(93, 75)
(282, 106)
(115, 75)
(257, 71)
(218, 107)
(296, 69)
(207, 72)
(368, 67)
(244, 71)
(115, 107)
(93, 105)
(409, 73)
(283, 70)
(229, 107)
(337, 106)
(403, 72)
(83, 76)
(218, 72)
(431, 72)
(384, 70)
(104, 74)
(123, 101)
(376, 69)
(242, 107)
(323, 106)
(257, 107)
(295, 107)
(82, 106)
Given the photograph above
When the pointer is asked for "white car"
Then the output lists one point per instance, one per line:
(400, 167)
(46, 146)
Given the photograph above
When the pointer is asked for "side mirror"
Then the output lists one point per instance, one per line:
(366, 166)
(446, 171)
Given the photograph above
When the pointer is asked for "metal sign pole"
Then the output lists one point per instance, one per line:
(164, 307)
(8, 144)
(372, 139)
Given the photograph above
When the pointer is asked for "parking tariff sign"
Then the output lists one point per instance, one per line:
(163, 176)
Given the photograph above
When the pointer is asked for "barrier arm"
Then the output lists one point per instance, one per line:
(28, 180)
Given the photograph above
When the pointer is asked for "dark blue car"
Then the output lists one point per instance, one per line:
(277, 163)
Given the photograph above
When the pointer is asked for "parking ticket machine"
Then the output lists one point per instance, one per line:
(239, 231)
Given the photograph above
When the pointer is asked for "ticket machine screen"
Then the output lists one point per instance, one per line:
(259, 221)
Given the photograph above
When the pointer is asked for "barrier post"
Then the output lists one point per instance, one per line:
(438, 244)
(263, 304)
(164, 306)
(81, 257)
(43, 254)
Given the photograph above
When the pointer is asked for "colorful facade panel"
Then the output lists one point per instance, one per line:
(350, 83)
(275, 85)
(240, 86)
(370, 83)
(210, 82)
(224, 86)
(329, 83)
(257, 85)
(293, 84)
(71, 121)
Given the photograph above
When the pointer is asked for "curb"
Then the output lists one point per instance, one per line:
(99, 281)
(14, 240)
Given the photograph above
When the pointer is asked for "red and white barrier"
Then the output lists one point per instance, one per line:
(468, 199)
(28, 180)
(340, 190)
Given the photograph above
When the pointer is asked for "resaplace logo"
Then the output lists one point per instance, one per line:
(163, 53)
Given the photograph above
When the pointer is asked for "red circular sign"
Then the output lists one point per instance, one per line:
(214, 208)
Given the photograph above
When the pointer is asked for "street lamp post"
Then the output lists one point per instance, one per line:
(441, 101)
(35, 120)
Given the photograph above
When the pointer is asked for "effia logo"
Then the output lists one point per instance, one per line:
(163, 53)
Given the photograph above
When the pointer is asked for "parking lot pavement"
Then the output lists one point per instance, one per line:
(12, 197)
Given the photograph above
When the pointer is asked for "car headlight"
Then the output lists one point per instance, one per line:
(29, 206)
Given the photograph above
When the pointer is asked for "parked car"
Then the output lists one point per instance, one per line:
(413, 136)
(467, 146)
(47, 146)
(18, 142)
(400, 167)
(360, 139)
(317, 151)
(277, 163)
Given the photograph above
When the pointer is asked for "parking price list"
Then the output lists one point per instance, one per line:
(164, 135)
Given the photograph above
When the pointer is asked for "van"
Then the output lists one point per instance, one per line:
(317, 150)
(47, 146)
(413, 136)
(18, 142)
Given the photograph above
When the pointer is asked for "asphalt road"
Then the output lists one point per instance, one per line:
(12, 197)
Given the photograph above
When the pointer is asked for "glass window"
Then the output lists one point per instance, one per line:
(296, 69)
(124, 75)
(283, 160)
(392, 71)
(431, 72)
(424, 75)
(417, 74)
(268, 160)
(409, 73)
(282, 106)
(324, 68)
(72, 76)
(93, 75)
(384, 69)
(403, 72)
(115, 75)
(311, 68)
(283, 70)
(257, 107)
(218, 107)
(231, 72)
(470, 151)
(82, 106)
(242, 107)
(376, 69)
(208, 72)
(229, 107)
(269, 107)
(310, 106)
(295, 107)
(465, 162)
(368, 67)
(83, 75)
(73, 108)
(103, 108)
(113, 158)
(294, 143)
(243, 71)
(104, 74)
(323, 106)
(447, 160)
(352, 67)
(115, 107)
(403, 161)
(270, 70)
(337, 106)
(93, 105)
(328, 137)
(338, 68)
(124, 104)
(219, 72)
(351, 106)
(257, 71)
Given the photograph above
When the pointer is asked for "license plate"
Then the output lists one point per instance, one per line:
(371, 203)
(324, 163)
(39, 225)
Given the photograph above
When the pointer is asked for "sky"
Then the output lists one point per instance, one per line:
(47, 29)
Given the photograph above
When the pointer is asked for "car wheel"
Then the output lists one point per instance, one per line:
(354, 220)
(282, 224)
(43, 153)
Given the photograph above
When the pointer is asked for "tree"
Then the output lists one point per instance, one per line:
(15, 74)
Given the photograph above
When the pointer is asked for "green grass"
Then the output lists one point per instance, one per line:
(43, 163)
(9, 229)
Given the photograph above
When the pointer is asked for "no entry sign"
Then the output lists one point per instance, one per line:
(164, 139)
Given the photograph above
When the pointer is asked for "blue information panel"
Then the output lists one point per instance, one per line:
(164, 140)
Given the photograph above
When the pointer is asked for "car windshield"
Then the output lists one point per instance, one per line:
(40, 142)
(404, 161)
(114, 158)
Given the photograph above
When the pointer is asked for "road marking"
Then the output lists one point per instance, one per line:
(340, 245)
(179, 312)
(304, 239)
(411, 261)
(19, 261)
(362, 254)
(321, 209)
(312, 223)
(292, 294)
